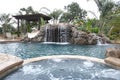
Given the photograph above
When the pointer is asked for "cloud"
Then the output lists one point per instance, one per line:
(13, 6)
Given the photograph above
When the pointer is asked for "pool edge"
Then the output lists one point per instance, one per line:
(9, 63)
(64, 56)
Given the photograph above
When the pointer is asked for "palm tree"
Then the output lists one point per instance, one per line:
(6, 24)
(45, 10)
(55, 14)
(28, 10)
(105, 7)
(109, 17)
(114, 20)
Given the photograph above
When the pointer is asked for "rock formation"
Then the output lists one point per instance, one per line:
(64, 32)
(113, 57)
(113, 52)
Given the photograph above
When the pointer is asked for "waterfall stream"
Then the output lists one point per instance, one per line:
(57, 34)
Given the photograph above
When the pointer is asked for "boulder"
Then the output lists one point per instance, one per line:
(92, 38)
(113, 52)
(83, 38)
(114, 62)
(103, 39)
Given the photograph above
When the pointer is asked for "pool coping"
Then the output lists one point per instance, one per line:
(64, 57)
(9, 63)
(94, 59)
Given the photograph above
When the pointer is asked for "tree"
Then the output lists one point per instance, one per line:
(104, 6)
(74, 12)
(6, 24)
(109, 17)
(45, 10)
(56, 15)
(28, 10)
(114, 21)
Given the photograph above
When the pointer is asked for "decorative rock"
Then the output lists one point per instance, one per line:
(114, 62)
(92, 38)
(64, 32)
(113, 52)
(83, 38)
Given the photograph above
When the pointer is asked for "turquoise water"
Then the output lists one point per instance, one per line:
(61, 69)
(30, 50)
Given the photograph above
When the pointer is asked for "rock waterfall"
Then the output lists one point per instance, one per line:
(63, 32)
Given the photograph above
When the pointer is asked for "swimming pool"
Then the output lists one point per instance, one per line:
(64, 69)
(30, 50)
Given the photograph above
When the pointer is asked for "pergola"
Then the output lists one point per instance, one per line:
(31, 17)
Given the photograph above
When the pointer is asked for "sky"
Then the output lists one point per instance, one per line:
(13, 6)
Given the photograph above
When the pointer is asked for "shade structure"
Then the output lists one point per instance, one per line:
(31, 17)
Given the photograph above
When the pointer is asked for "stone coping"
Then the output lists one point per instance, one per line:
(8, 63)
(64, 57)
(112, 61)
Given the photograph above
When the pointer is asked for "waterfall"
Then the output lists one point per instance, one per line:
(99, 42)
(56, 33)
(45, 39)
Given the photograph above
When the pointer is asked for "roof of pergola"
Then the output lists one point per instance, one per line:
(32, 17)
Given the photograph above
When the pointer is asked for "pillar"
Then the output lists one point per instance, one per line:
(18, 31)
(38, 23)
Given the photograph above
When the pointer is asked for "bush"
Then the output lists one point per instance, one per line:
(112, 37)
(95, 30)
(0, 30)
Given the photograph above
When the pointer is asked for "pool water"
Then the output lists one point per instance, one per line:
(30, 50)
(64, 69)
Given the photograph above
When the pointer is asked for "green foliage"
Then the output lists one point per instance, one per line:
(28, 10)
(0, 30)
(87, 26)
(56, 15)
(95, 30)
(42, 22)
(109, 22)
(74, 12)
(6, 24)
(65, 17)
(28, 27)
(114, 36)
(104, 6)
(113, 21)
